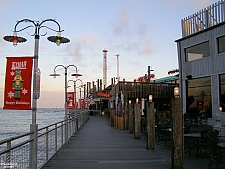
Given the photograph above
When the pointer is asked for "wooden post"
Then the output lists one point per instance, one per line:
(125, 110)
(126, 116)
(112, 113)
(115, 119)
(150, 128)
(130, 119)
(177, 134)
(137, 126)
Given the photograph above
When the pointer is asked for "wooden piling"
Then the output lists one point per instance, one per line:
(150, 128)
(137, 126)
(177, 134)
(130, 119)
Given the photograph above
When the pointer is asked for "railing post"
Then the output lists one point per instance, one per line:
(77, 123)
(74, 124)
(70, 127)
(46, 144)
(8, 154)
(62, 133)
(56, 140)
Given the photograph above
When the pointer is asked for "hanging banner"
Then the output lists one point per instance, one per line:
(18, 83)
(70, 100)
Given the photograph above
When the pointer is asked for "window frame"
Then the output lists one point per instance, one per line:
(196, 54)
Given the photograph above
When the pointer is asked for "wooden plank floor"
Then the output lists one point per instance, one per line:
(99, 146)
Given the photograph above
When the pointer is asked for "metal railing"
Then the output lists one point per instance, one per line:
(205, 18)
(15, 151)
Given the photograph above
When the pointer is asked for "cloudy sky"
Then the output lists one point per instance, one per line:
(142, 32)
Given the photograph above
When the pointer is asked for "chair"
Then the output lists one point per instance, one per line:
(187, 126)
(204, 144)
(203, 119)
(215, 155)
(162, 134)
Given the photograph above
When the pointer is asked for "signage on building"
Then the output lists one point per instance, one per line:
(101, 94)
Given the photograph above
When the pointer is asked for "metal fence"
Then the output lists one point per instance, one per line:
(205, 18)
(15, 152)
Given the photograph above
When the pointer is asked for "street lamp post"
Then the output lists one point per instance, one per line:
(74, 82)
(149, 73)
(80, 96)
(54, 75)
(16, 39)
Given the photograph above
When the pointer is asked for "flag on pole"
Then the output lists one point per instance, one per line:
(70, 100)
(18, 83)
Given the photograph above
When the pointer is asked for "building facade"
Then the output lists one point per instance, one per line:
(201, 55)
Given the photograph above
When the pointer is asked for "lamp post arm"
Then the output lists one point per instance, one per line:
(59, 66)
(38, 25)
(79, 80)
(24, 20)
(72, 66)
(52, 20)
(70, 81)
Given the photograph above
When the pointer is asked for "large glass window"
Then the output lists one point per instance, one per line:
(221, 44)
(199, 96)
(222, 92)
(197, 52)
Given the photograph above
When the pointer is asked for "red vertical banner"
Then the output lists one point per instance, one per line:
(83, 103)
(70, 100)
(18, 83)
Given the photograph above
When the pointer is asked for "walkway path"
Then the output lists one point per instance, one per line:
(99, 146)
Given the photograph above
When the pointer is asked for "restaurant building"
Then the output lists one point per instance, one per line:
(201, 55)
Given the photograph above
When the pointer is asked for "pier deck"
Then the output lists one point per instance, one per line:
(99, 146)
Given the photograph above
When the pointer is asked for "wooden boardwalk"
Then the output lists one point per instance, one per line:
(99, 146)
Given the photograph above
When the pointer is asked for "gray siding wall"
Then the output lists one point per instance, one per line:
(209, 66)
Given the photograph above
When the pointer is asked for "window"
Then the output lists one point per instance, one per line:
(221, 44)
(199, 96)
(222, 92)
(197, 52)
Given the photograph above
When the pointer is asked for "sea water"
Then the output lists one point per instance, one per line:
(16, 122)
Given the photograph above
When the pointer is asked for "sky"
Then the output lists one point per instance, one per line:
(142, 32)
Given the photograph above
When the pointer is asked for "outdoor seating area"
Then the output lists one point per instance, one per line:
(201, 141)
(196, 119)
(163, 129)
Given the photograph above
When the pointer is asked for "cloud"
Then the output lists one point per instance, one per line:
(2, 5)
(7, 4)
(147, 48)
(77, 47)
(142, 31)
(134, 46)
(121, 24)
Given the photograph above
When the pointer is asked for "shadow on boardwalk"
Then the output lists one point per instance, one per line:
(99, 146)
